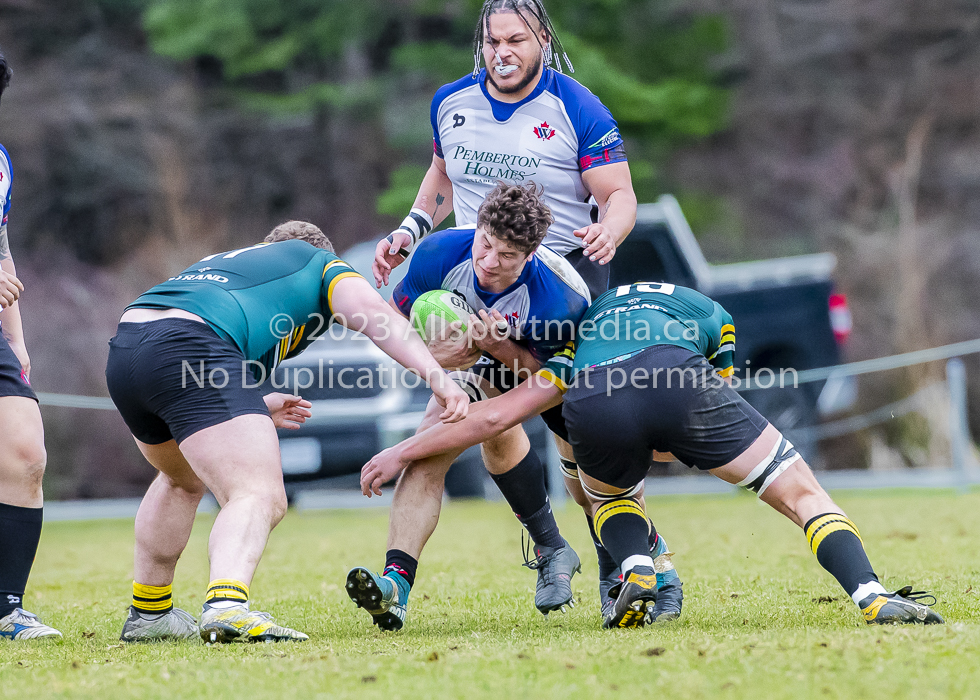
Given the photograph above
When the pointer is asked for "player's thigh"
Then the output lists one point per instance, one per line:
(22, 446)
(167, 459)
(237, 457)
(773, 469)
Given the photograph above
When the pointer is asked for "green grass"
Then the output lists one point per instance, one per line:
(753, 624)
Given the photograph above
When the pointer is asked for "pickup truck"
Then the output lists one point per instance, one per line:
(786, 317)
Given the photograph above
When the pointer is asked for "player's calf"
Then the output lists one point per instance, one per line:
(784, 481)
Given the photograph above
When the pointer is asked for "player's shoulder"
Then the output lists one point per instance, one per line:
(557, 290)
(445, 248)
(466, 82)
(571, 92)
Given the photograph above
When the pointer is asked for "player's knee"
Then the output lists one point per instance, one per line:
(30, 458)
(277, 506)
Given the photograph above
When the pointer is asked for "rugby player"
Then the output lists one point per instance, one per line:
(23, 458)
(651, 374)
(184, 371)
(504, 273)
(517, 119)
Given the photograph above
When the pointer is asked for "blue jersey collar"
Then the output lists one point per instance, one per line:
(502, 111)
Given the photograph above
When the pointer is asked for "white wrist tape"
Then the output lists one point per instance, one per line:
(416, 224)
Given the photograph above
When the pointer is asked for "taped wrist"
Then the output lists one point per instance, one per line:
(417, 224)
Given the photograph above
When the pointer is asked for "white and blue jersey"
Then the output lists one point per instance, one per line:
(551, 137)
(543, 307)
(6, 176)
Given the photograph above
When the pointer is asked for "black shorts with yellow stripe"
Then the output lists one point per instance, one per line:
(665, 398)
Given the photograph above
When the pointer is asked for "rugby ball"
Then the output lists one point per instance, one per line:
(443, 304)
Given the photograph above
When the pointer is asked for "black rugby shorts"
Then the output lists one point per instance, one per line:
(160, 397)
(13, 381)
(665, 398)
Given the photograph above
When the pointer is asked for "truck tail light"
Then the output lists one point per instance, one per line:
(840, 318)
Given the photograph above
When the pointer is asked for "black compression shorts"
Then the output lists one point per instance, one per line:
(664, 398)
(13, 381)
(160, 397)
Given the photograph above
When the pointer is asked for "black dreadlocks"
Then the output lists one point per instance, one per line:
(554, 51)
(5, 73)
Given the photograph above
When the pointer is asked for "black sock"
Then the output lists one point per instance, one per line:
(838, 547)
(20, 531)
(523, 488)
(402, 563)
(623, 529)
(606, 563)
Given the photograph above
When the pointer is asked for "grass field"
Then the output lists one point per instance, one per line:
(761, 619)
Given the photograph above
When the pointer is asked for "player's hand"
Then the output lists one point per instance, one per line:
(489, 330)
(449, 345)
(287, 410)
(20, 350)
(454, 400)
(598, 242)
(10, 289)
(387, 256)
(382, 468)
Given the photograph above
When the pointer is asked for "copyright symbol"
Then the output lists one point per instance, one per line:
(281, 325)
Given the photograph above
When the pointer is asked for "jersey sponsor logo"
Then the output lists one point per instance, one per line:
(458, 120)
(544, 132)
(608, 139)
(207, 277)
(498, 166)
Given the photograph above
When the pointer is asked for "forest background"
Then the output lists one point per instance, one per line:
(146, 134)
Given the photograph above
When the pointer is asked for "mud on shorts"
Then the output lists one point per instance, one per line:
(664, 398)
(488, 370)
(160, 397)
(13, 381)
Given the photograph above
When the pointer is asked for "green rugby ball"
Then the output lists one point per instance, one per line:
(443, 304)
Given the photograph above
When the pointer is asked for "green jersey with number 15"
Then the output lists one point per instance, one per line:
(271, 300)
(628, 319)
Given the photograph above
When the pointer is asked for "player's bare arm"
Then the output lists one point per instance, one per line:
(486, 420)
(435, 198)
(450, 347)
(612, 187)
(362, 309)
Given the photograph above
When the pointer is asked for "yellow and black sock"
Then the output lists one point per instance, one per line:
(152, 600)
(623, 529)
(837, 544)
(226, 590)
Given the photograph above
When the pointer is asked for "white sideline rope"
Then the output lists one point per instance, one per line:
(74, 401)
(943, 352)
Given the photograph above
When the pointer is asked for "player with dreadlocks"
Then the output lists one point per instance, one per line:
(520, 118)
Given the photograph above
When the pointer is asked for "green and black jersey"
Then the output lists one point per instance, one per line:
(271, 300)
(628, 319)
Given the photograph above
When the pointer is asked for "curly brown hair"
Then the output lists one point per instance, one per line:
(516, 214)
(300, 230)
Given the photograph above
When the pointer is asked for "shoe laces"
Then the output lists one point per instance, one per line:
(920, 597)
(541, 561)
